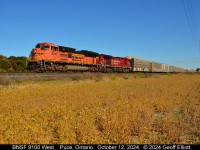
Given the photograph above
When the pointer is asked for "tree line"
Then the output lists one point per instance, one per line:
(12, 64)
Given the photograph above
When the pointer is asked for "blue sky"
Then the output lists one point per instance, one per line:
(156, 30)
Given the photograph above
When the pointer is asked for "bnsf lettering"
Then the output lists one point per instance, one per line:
(19, 146)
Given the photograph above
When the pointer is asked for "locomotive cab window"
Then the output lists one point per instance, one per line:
(54, 48)
(37, 46)
(45, 47)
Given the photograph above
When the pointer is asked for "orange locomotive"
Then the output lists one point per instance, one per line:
(51, 57)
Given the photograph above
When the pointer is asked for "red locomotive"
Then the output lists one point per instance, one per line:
(50, 57)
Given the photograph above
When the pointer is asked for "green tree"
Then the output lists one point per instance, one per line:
(18, 63)
(4, 63)
(12, 64)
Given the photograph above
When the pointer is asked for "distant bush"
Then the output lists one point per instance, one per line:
(12, 64)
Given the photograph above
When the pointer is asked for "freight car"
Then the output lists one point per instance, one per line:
(141, 65)
(51, 57)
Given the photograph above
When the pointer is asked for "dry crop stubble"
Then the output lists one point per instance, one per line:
(165, 109)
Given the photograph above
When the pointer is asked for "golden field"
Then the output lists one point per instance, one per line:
(157, 109)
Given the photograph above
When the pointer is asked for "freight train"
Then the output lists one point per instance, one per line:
(51, 57)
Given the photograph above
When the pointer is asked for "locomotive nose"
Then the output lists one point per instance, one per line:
(35, 55)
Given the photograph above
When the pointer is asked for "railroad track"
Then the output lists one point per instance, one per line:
(25, 75)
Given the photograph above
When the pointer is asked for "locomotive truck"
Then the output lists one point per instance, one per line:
(51, 57)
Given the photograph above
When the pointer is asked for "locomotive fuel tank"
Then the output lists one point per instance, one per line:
(76, 68)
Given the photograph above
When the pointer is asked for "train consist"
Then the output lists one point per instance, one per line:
(51, 57)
